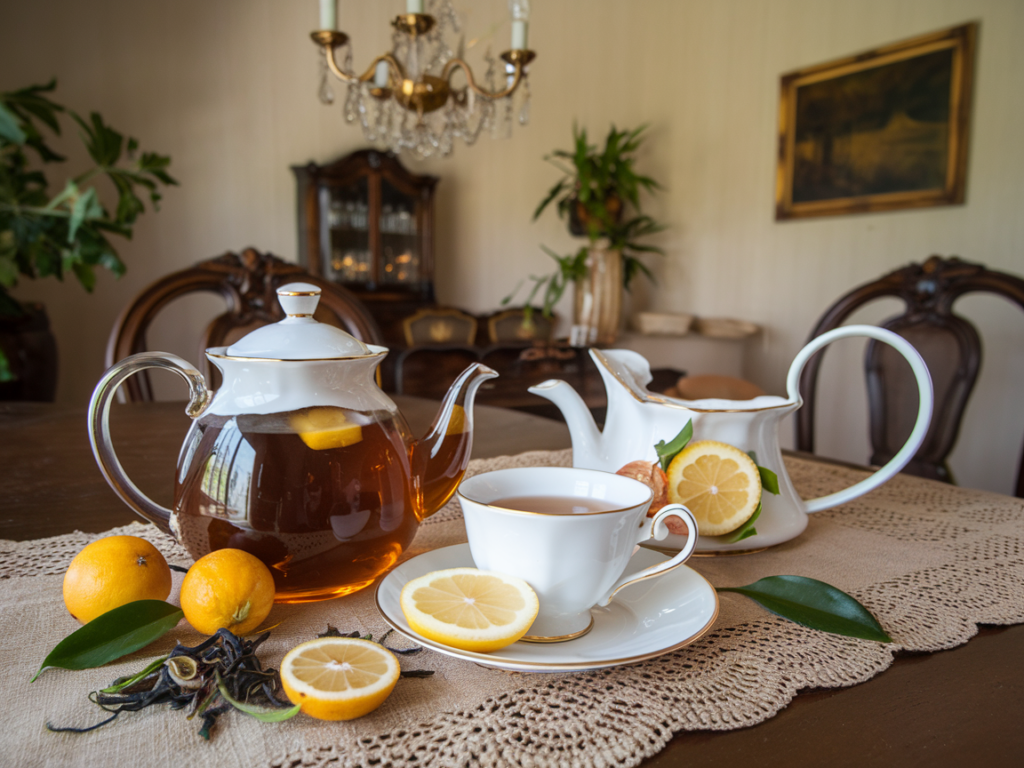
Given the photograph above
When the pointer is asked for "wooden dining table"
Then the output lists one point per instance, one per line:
(957, 707)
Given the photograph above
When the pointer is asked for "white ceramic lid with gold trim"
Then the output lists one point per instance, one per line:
(299, 336)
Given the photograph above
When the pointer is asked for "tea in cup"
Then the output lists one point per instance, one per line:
(569, 533)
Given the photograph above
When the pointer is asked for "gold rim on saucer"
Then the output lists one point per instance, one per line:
(558, 638)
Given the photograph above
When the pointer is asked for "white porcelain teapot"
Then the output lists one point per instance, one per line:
(637, 419)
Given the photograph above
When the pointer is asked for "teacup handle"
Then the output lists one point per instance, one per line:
(655, 528)
(924, 410)
(99, 426)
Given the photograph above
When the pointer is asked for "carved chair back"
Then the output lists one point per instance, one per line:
(248, 283)
(439, 326)
(949, 343)
(509, 326)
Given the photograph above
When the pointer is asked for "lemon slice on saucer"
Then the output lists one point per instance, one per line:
(469, 609)
(718, 482)
(324, 428)
(339, 678)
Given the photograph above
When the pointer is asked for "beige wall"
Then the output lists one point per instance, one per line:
(228, 88)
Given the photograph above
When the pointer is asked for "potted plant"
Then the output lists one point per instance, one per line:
(599, 195)
(44, 234)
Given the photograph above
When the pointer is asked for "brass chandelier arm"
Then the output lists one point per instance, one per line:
(393, 67)
(453, 63)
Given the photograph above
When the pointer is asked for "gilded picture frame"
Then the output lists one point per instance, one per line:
(879, 131)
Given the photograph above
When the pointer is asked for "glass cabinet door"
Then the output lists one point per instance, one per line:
(345, 233)
(402, 261)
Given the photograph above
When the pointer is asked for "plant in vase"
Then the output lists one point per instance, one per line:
(599, 195)
(45, 234)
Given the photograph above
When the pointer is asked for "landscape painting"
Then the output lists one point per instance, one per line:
(882, 130)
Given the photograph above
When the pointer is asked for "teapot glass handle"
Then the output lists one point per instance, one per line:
(99, 426)
(924, 410)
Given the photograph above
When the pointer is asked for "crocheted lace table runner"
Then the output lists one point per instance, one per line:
(930, 561)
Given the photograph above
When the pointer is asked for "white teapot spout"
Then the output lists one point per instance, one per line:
(586, 438)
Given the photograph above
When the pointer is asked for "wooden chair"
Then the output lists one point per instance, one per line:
(509, 327)
(949, 344)
(247, 282)
(439, 326)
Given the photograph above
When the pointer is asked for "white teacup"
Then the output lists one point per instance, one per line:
(573, 560)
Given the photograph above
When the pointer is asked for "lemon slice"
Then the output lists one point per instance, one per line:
(719, 483)
(323, 428)
(339, 678)
(469, 609)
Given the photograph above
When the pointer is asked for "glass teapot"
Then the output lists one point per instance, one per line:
(299, 458)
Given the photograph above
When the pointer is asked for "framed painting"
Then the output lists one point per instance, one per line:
(882, 130)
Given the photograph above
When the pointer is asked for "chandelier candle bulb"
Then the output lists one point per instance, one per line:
(519, 29)
(414, 6)
(380, 75)
(328, 14)
(520, 10)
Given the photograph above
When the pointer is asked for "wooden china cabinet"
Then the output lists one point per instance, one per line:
(367, 222)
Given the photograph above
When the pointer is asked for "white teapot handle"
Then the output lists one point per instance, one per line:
(924, 410)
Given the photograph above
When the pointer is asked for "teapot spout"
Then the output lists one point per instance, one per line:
(586, 438)
(440, 458)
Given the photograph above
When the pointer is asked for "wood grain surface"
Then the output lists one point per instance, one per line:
(957, 708)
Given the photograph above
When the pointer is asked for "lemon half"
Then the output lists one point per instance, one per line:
(469, 609)
(339, 678)
(718, 482)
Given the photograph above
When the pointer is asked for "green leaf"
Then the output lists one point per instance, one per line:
(86, 208)
(769, 480)
(263, 715)
(6, 374)
(667, 451)
(127, 681)
(115, 634)
(745, 531)
(10, 127)
(814, 604)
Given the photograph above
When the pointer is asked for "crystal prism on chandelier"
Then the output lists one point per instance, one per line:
(422, 95)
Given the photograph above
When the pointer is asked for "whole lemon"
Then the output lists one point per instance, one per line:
(228, 589)
(111, 572)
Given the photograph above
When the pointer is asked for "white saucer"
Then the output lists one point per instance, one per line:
(646, 619)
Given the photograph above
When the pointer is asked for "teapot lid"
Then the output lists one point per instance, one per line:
(299, 336)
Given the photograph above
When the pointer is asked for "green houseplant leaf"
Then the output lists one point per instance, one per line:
(814, 604)
(115, 634)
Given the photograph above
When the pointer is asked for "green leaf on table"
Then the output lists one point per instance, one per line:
(123, 682)
(745, 531)
(814, 604)
(769, 480)
(115, 634)
(668, 451)
(263, 715)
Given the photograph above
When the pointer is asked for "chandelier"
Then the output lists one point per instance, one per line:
(422, 95)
